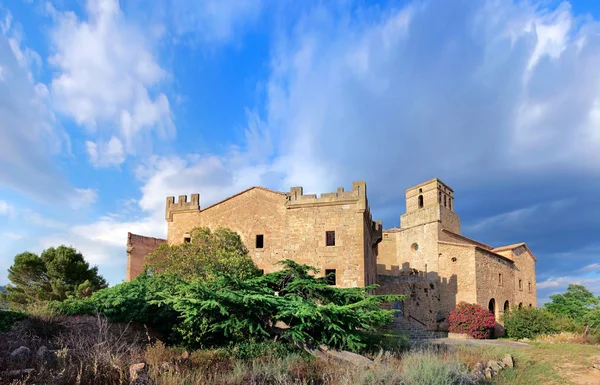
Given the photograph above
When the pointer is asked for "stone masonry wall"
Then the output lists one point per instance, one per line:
(490, 285)
(294, 226)
(137, 247)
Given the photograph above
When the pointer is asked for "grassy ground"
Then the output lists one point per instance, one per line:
(547, 363)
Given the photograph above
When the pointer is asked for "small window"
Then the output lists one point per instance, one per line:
(439, 197)
(187, 239)
(260, 241)
(450, 204)
(520, 285)
(500, 279)
(415, 246)
(445, 201)
(420, 201)
(530, 287)
(453, 259)
(420, 190)
(330, 238)
(330, 276)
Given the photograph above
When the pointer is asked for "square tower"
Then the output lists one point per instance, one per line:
(428, 202)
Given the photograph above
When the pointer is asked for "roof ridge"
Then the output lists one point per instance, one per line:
(240, 193)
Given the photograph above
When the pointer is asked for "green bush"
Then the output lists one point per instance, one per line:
(8, 318)
(529, 322)
(250, 350)
(290, 305)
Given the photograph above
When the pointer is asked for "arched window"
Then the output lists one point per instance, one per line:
(506, 306)
(492, 306)
(445, 201)
(420, 201)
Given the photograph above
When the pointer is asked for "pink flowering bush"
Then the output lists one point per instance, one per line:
(471, 319)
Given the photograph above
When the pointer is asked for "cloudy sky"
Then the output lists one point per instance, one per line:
(107, 107)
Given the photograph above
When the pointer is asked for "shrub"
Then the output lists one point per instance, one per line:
(223, 311)
(427, 368)
(207, 252)
(471, 319)
(529, 322)
(8, 318)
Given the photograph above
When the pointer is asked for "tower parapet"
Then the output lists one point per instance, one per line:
(182, 205)
(296, 197)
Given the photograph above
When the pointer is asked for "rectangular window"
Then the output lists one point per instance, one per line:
(187, 239)
(330, 276)
(520, 285)
(530, 287)
(500, 279)
(330, 238)
(260, 239)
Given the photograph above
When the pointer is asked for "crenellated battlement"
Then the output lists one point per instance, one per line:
(181, 205)
(358, 193)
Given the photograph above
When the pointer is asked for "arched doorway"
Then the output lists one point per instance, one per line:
(492, 306)
(506, 306)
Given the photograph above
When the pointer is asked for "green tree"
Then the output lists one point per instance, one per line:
(54, 275)
(290, 305)
(207, 252)
(575, 303)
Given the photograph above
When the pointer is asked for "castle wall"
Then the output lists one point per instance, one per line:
(459, 262)
(294, 226)
(525, 293)
(418, 246)
(387, 260)
(137, 247)
(488, 267)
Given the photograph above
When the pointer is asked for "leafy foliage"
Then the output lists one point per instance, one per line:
(528, 322)
(576, 303)
(225, 311)
(8, 318)
(471, 319)
(207, 252)
(130, 302)
(56, 274)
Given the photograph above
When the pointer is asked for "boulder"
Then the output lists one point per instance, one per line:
(508, 361)
(19, 372)
(139, 374)
(21, 352)
(489, 373)
(46, 355)
(494, 366)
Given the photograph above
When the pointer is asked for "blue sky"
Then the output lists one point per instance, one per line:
(108, 107)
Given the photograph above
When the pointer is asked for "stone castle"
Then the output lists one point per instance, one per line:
(426, 258)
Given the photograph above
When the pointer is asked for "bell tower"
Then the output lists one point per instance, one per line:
(431, 201)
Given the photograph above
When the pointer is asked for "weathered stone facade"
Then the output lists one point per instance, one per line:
(429, 243)
(426, 258)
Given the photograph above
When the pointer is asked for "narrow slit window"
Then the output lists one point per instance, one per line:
(445, 201)
(330, 238)
(420, 201)
(520, 285)
(530, 287)
(260, 241)
(500, 279)
(330, 277)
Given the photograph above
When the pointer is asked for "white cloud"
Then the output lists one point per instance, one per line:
(504, 89)
(207, 21)
(6, 209)
(29, 135)
(105, 154)
(11, 235)
(39, 220)
(106, 80)
(84, 198)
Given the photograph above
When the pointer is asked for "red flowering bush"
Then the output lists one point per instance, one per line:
(471, 319)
